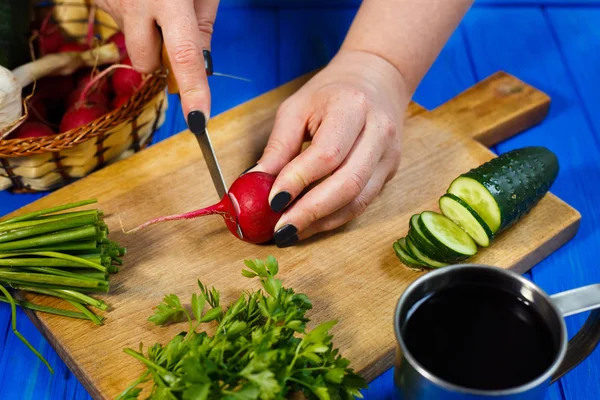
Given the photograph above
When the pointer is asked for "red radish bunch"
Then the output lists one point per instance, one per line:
(248, 200)
(94, 96)
(72, 46)
(119, 101)
(30, 129)
(67, 102)
(50, 38)
(84, 77)
(81, 113)
(125, 81)
(119, 39)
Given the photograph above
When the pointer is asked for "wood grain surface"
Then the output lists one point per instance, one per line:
(352, 274)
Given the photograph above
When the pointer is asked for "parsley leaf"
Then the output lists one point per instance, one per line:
(260, 348)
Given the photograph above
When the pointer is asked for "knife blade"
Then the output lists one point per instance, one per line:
(211, 161)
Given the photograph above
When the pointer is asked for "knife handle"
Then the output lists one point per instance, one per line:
(172, 86)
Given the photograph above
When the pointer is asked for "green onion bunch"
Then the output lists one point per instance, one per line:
(64, 255)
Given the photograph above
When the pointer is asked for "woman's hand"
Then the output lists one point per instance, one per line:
(353, 110)
(187, 27)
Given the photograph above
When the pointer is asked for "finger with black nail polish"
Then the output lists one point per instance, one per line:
(280, 200)
(286, 236)
(196, 121)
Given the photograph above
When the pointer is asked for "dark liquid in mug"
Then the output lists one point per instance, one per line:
(480, 338)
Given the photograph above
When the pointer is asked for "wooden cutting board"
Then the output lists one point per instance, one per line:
(352, 274)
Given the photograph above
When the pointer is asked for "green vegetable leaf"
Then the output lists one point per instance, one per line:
(211, 315)
(322, 393)
(197, 392)
(272, 265)
(259, 349)
(248, 274)
(169, 310)
(198, 303)
(335, 375)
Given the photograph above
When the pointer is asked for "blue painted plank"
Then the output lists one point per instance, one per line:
(520, 42)
(309, 39)
(578, 34)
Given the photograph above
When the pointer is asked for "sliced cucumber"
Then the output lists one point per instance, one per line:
(465, 217)
(507, 187)
(427, 247)
(405, 257)
(422, 257)
(479, 199)
(442, 231)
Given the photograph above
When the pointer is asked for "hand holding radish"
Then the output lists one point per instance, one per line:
(186, 26)
(352, 110)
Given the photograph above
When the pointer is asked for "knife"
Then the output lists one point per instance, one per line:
(203, 137)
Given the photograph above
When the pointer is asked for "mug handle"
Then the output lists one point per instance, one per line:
(585, 341)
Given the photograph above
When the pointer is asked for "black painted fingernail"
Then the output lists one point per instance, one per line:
(248, 169)
(280, 200)
(196, 121)
(208, 63)
(286, 236)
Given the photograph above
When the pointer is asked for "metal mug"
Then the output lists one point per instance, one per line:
(414, 382)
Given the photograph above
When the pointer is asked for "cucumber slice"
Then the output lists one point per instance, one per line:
(442, 231)
(427, 247)
(405, 257)
(402, 243)
(479, 199)
(506, 188)
(422, 257)
(465, 217)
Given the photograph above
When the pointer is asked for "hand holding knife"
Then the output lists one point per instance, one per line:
(197, 125)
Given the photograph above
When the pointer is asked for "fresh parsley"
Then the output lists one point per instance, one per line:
(260, 349)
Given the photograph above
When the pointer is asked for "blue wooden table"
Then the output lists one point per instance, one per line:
(551, 44)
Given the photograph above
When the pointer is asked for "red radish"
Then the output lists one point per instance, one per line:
(119, 39)
(81, 113)
(119, 101)
(30, 129)
(256, 218)
(51, 38)
(84, 77)
(72, 46)
(126, 80)
(95, 97)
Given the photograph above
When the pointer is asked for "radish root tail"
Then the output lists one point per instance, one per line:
(213, 210)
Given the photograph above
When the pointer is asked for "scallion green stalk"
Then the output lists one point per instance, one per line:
(51, 210)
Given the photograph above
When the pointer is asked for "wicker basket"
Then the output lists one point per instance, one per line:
(46, 163)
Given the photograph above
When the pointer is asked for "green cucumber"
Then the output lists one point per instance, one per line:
(506, 188)
(404, 256)
(464, 216)
(442, 231)
(424, 245)
(422, 257)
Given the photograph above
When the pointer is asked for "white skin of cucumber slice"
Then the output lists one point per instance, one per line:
(422, 257)
(479, 198)
(462, 217)
(450, 234)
